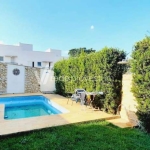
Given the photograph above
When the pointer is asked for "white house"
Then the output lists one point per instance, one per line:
(23, 54)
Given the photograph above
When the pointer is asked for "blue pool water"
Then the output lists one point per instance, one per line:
(28, 106)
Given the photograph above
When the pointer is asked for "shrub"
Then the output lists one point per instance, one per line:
(98, 101)
(94, 72)
(111, 81)
(141, 80)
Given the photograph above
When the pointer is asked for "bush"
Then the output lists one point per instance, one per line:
(94, 72)
(98, 101)
(141, 80)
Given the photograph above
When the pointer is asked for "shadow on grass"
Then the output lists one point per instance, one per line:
(88, 135)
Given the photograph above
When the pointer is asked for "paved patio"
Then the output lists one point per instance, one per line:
(77, 113)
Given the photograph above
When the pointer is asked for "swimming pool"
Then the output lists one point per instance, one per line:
(29, 106)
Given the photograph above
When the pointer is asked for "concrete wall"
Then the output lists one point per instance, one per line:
(15, 83)
(128, 100)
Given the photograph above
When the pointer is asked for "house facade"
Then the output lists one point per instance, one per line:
(23, 54)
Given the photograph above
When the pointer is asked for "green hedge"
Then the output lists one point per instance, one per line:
(141, 80)
(94, 72)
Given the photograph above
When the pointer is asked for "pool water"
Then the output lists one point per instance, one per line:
(26, 111)
(29, 106)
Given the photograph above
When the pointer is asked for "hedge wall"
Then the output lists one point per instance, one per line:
(141, 80)
(94, 72)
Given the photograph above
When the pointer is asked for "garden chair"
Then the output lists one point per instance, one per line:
(79, 95)
(82, 98)
(74, 97)
(68, 95)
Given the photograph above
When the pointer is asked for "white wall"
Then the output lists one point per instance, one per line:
(25, 55)
(26, 47)
(15, 83)
(128, 100)
(47, 80)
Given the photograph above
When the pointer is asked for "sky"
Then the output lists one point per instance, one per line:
(67, 24)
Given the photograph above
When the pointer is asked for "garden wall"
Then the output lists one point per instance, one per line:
(32, 84)
(128, 100)
(15, 83)
(21, 79)
(47, 80)
(3, 76)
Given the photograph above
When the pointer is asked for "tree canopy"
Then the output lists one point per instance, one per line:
(140, 66)
(77, 51)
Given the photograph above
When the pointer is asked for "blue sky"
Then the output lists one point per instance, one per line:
(67, 24)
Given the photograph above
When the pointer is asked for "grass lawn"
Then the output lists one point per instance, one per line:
(83, 136)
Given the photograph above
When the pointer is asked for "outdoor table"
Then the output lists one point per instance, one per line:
(92, 95)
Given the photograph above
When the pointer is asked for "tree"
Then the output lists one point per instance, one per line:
(77, 51)
(140, 66)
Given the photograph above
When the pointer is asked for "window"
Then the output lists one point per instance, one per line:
(49, 64)
(39, 64)
(33, 64)
(1, 58)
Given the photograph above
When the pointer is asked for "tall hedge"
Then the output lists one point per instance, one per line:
(94, 72)
(141, 80)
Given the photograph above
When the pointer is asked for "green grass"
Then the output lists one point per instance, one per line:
(89, 136)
